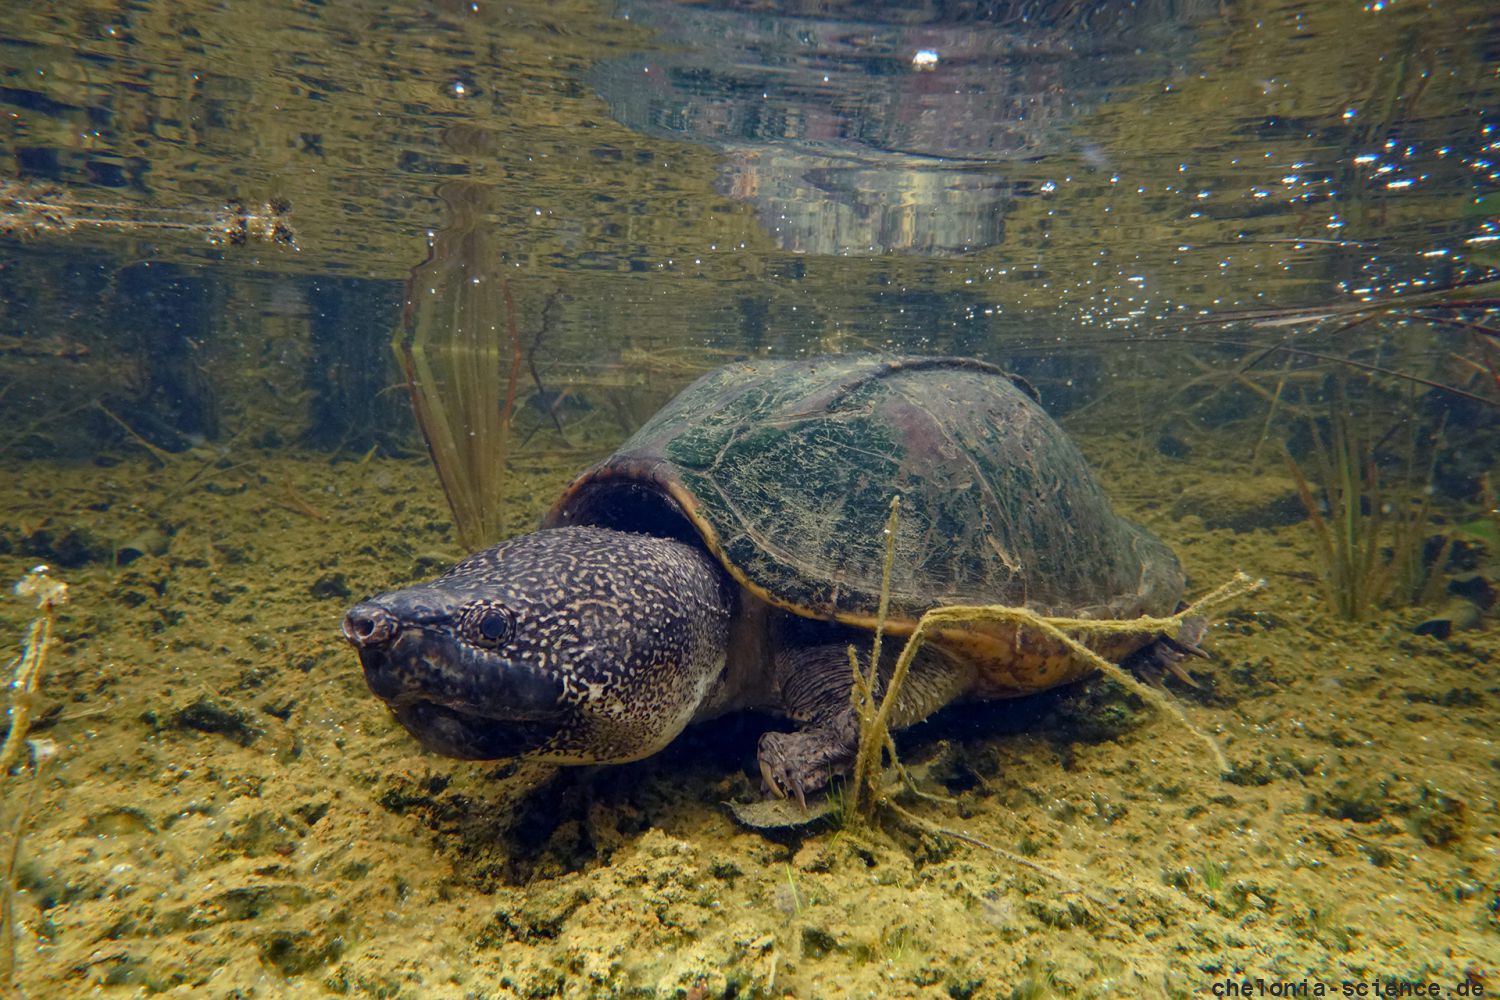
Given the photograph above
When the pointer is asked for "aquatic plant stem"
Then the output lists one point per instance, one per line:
(864, 786)
(48, 593)
(513, 373)
(1372, 549)
(27, 668)
(1014, 858)
(460, 349)
(162, 457)
(1491, 506)
(41, 752)
(1059, 628)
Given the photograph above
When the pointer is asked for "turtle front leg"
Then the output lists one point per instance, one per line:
(814, 683)
(802, 762)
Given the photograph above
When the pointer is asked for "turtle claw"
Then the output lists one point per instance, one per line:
(783, 773)
(802, 763)
(1189, 635)
(769, 781)
(1168, 652)
(1175, 669)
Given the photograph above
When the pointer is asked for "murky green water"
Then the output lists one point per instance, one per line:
(1230, 244)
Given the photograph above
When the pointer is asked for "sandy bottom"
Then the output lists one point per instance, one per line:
(231, 814)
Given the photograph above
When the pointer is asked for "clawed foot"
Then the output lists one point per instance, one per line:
(1167, 653)
(802, 763)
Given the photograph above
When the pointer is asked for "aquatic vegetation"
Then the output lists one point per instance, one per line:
(1371, 541)
(895, 944)
(14, 829)
(1256, 368)
(873, 707)
(874, 730)
(789, 899)
(1213, 874)
(1491, 511)
(26, 670)
(1320, 336)
(1036, 983)
(463, 363)
(1327, 924)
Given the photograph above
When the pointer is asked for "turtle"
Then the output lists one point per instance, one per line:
(729, 553)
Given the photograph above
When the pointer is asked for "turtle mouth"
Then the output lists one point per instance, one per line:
(449, 723)
(459, 701)
(496, 689)
(466, 736)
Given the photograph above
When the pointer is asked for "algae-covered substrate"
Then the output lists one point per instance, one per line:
(231, 814)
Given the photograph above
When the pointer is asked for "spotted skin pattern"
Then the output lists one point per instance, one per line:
(608, 643)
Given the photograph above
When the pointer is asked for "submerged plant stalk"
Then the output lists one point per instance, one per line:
(26, 671)
(32, 209)
(460, 349)
(41, 752)
(1371, 545)
(866, 790)
(874, 733)
(1063, 630)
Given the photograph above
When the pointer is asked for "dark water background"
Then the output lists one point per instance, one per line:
(220, 222)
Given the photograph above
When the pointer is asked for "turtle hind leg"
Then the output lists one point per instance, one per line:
(814, 683)
(1165, 654)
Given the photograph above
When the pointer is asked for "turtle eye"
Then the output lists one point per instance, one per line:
(486, 624)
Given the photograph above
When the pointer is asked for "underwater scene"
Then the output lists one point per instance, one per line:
(750, 499)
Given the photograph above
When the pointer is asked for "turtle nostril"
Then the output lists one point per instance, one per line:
(368, 625)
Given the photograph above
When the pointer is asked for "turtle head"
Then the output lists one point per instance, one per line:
(579, 645)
